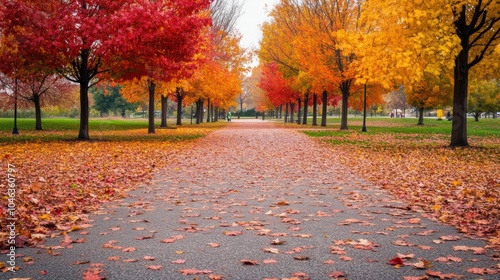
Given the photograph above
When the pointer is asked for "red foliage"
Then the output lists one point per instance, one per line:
(277, 87)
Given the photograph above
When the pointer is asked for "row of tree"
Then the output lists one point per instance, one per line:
(344, 48)
(183, 49)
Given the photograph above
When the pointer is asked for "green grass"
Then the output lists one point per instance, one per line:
(383, 132)
(66, 129)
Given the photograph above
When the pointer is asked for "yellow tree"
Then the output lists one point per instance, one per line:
(455, 35)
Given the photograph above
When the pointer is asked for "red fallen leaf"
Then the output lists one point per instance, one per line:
(233, 233)
(301, 258)
(214, 245)
(415, 278)
(449, 238)
(114, 258)
(80, 240)
(194, 271)
(129, 249)
(329, 262)
(249, 262)
(345, 258)
(414, 221)
(448, 259)
(214, 277)
(396, 261)
(67, 240)
(154, 267)
(300, 275)
(93, 274)
(277, 242)
(82, 262)
(144, 237)
(168, 240)
(442, 275)
(476, 270)
(129, 260)
(180, 261)
(43, 272)
(409, 256)
(476, 250)
(84, 233)
(270, 261)
(336, 274)
(149, 258)
(115, 229)
(426, 233)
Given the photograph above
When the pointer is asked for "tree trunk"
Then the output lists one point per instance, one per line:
(292, 112)
(286, 112)
(164, 107)
(323, 113)
(83, 71)
(461, 75)
(179, 106)
(344, 88)
(208, 110)
(477, 116)
(151, 116)
(38, 112)
(315, 110)
(306, 104)
(421, 116)
(299, 101)
(199, 108)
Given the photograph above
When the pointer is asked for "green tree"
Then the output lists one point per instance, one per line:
(483, 98)
(110, 99)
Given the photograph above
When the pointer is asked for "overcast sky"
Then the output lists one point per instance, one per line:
(254, 13)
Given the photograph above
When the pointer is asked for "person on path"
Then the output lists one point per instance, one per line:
(229, 116)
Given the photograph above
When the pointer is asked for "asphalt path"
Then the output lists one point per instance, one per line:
(254, 201)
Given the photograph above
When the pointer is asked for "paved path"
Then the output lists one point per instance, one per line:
(238, 191)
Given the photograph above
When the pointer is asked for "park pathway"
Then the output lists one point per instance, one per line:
(254, 201)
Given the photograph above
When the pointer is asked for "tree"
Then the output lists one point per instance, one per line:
(455, 35)
(108, 98)
(86, 38)
(483, 97)
(431, 92)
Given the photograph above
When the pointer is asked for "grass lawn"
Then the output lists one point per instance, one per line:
(63, 129)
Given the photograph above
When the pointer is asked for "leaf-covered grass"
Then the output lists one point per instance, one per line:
(59, 179)
(460, 186)
(65, 129)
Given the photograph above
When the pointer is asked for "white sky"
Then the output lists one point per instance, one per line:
(254, 13)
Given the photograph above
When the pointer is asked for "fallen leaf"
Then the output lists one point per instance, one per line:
(129, 249)
(336, 274)
(82, 262)
(442, 275)
(233, 233)
(193, 271)
(248, 262)
(396, 261)
(154, 267)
